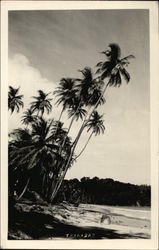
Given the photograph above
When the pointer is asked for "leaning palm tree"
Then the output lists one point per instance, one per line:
(81, 94)
(96, 125)
(85, 95)
(113, 70)
(41, 103)
(14, 100)
(88, 93)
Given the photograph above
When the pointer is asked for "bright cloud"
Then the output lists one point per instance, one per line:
(22, 74)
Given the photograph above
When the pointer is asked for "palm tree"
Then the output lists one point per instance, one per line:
(28, 117)
(79, 113)
(114, 70)
(114, 67)
(88, 87)
(85, 93)
(35, 153)
(14, 100)
(65, 93)
(96, 125)
(81, 95)
(59, 134)
(95, 93)
(41, 103)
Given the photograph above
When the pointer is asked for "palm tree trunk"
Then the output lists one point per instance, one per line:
(53, 188)
(102, 94)
(58, 184)
(61, 114)
(85, 120)
(70, 125)
(44, 185)
(76, 141)
(20, 196)
(84, 146)
(60, 118)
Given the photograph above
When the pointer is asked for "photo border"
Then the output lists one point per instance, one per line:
(154, 104)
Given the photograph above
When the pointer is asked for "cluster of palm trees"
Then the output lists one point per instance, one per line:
(42, 151)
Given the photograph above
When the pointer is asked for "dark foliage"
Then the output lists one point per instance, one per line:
(104, 192)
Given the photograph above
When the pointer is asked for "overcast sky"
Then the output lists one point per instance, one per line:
(45, 46)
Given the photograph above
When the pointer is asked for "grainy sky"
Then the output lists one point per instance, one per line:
(45, 46)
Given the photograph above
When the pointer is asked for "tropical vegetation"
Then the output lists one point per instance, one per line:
(42, 151)
(103, 192)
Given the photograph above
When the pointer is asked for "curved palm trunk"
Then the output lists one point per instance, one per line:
(61, 113)
(60, 118)
(85, 120)
(94, 108)
(20, 196)
(54, 185)
(58, 184)
(84, 146)
(75, 143)
(72, 120)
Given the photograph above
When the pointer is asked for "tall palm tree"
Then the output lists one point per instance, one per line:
(96, 125)
(113, 69)
(14, 100)
(41, 103)
(28, 117)
(81, 95)
(86, 93)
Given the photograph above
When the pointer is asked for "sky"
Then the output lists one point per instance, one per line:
(45, 46)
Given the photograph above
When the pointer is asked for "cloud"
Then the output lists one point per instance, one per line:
(22, 74)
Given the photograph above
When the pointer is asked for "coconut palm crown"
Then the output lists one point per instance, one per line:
(41, 103)
(28, 117)
(14, 100)
(114, 68)
(96, 123)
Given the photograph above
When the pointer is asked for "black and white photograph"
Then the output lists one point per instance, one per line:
(79, 105)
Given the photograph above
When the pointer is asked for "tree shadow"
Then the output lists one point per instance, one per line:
(41, 226)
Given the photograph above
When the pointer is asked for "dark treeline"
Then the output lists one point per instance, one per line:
(104, 192)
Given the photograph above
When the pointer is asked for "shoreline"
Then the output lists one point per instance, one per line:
(34, 221)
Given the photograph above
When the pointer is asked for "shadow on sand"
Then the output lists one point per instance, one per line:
(41, 226)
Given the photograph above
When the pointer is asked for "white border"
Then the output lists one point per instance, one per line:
(154, 105)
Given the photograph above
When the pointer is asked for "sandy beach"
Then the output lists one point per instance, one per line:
(66, 221)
